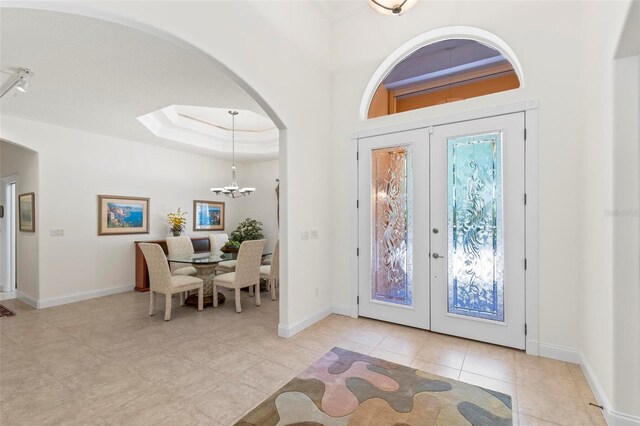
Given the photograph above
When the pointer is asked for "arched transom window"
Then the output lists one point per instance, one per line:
(445, 71)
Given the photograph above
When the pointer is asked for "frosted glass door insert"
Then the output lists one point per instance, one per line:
(475, 212)
(391, 177)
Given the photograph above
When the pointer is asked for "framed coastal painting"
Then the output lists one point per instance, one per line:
(27, 212)
(208, 215)
(119, 215)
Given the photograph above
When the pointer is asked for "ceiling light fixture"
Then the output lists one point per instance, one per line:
(19, 80)
(392, 7)
(233, 190)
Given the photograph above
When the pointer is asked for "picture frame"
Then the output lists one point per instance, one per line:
(208, 215)
(122, 215)
(27, 212)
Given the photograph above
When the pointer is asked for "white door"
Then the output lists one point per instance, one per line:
(393, 192)
(442, 229)
(478, 230)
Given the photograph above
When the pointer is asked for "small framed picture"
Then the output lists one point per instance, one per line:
(208, 215)
(27, 209)
(119, 215)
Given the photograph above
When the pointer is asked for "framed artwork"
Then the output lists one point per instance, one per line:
(122, 215)
(208, 215)
(27, 212)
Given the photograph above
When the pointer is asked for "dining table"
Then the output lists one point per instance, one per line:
(205, 265)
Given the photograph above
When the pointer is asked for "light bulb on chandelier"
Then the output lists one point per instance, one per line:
(233, 190)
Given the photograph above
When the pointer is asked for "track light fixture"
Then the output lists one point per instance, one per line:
(19, 80)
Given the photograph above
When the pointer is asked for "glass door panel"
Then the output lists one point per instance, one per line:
(475, 275)
(391, 273)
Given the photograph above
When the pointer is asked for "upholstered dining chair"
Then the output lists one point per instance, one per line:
(247, 272)
(271, 272)
(180, 246)
(161, 280)
(217, 241)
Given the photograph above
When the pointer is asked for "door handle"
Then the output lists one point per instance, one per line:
(436, 256)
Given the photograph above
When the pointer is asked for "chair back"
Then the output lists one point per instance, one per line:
(159, 273)
(217, 241)
(179, 246)
(274, 270)
(248, 262)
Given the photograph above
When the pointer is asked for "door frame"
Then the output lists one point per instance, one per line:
(8, 265)
(530, 110)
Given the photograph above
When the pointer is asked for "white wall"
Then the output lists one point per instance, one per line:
(15, 160)
(75, 167)
(625, 216)
(262, 204)
(606, 136)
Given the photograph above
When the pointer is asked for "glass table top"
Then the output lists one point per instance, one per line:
(207, 258)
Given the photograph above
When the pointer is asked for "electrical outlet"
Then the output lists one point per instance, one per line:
(304, 235)
(314, 234)
(57, 232)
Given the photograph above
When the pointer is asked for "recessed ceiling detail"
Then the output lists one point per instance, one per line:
(208, 128)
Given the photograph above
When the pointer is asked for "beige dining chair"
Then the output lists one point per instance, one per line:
(161, 280)
(180, 246)
(217, 241)
(271, 272)
(247, 273)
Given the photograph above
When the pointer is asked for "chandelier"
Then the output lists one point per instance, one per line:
(233, 191)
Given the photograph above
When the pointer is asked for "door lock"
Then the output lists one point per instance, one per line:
(435, 230)
(436, 256)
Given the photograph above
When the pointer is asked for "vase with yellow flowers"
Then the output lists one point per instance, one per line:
(177, 221)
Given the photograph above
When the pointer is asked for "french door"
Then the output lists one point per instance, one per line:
(442, 229)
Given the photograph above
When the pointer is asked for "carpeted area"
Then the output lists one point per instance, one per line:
(6, 312)
(349, 388)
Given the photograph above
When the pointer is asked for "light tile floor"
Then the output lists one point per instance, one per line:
(105, 361)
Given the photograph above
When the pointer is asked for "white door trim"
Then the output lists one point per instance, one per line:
(530, 109)
(6, 268)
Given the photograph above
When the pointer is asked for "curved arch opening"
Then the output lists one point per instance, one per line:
(441, 66)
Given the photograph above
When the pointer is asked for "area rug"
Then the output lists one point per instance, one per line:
(6, 312)
(349, 388)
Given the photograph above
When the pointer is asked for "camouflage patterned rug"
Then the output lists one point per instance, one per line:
(349, 388)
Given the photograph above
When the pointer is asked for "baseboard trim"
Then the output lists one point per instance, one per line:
(611, 416)
(561, 353)
(296, 327)
(29, 300)
(85, 295)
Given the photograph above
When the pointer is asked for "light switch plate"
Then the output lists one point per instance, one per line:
(57, 232)
(314, 234)
(304, 235)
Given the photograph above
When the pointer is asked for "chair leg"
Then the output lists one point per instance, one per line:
(167, 307)
(201, 298)
(182, 298)
(238, 305)
(250, 290)
(152, 302)
(272, 284)
(215, 296)
(258, 301)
